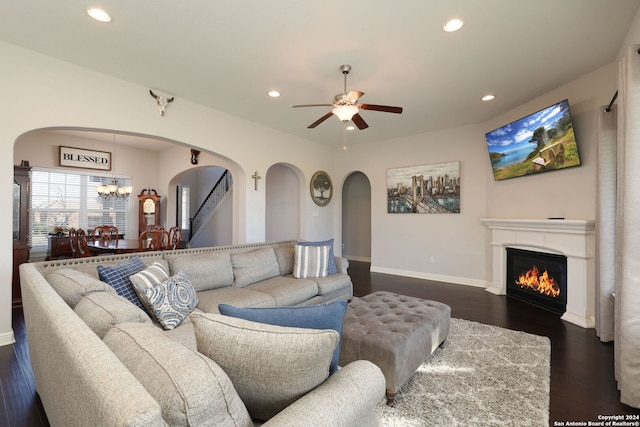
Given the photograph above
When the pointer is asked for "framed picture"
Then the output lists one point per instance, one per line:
(321, 188)
(424, 189)
(86, 159)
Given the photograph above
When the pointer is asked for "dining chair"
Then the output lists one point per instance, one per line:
(175, 234)
(79, 243)
(105, 234)
(153, 240)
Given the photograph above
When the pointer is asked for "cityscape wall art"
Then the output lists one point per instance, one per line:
(426, 189)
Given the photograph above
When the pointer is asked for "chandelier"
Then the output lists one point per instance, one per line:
(113, 190)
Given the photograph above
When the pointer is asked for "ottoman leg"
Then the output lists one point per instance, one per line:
(391, 398)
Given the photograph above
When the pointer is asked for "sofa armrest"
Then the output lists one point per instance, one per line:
(342, 264)
(346, 399)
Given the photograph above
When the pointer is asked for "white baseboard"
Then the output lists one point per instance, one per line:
(357, 258)
(7, 338)
(435, 277)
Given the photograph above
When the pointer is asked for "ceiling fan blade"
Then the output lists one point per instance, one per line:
(359, 121)
(353, 96)
(320, 120)
(312, 105)
(385, 108)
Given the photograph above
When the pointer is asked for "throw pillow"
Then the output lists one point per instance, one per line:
(118, 277)
(332, 268)
(269, 366)
(72, 285)
(320, 316)
(254, 266)
(102, 310)
(172, 301)
(190, 388)
(148, 278)
(310, 261)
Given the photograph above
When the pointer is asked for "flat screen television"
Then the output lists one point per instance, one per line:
(540, 142)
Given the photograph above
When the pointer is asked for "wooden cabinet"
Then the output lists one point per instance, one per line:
(21, 248)
(148, 210)
(59, 247)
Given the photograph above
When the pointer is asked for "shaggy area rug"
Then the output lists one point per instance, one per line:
(482, 376)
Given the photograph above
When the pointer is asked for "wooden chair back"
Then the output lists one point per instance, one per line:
(104, 234)
(175, 234)
(79, 243)
(153, 240)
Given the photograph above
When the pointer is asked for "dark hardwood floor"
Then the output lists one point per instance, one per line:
(582, 382)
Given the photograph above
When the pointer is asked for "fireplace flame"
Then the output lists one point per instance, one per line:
(543, 284)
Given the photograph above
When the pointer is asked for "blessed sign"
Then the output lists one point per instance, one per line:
(87, 159)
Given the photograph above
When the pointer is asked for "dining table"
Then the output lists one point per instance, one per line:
(121, 246)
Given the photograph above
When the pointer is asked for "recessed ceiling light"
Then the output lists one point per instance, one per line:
(453, 25)
(350, 127)
(488, 97)
(98, 14)
(273, 93)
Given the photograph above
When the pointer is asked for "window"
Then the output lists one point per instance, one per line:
(69, 200)
(184, 208)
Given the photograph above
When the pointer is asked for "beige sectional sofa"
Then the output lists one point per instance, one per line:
(99, 360)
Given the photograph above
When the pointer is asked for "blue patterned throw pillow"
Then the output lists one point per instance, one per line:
(172, 301)
(118, 277)
(331, 268)
(319, 316)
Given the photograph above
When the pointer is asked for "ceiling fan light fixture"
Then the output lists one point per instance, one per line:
(345, 112)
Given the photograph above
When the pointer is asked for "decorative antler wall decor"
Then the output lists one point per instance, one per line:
(162, 101)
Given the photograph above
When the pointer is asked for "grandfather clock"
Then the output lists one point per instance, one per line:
(148, 209)
(21, 188)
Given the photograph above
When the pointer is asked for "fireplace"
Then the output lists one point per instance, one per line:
(572, 238)
(537, 278)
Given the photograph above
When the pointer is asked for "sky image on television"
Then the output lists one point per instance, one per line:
(540, 142)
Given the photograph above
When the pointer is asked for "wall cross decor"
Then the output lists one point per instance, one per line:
(256, 177)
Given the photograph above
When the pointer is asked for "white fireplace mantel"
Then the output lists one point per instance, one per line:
(574, 239)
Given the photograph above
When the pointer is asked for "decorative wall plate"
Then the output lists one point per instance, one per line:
(321, 188)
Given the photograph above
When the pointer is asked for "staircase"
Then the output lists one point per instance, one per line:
(210, 203)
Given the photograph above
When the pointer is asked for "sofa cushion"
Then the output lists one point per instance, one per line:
(190, 388)
(151, 276)
(285, 290)
(251, 267)
(103, 310)
(333, 283)
(310, 261)
(118, 277)
(206, 270)
(172, 300)
(284, 255)
(331, 268)
(73, 285)
(242, 297)
(321, 316)
(270, 366)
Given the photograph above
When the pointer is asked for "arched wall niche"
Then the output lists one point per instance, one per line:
(284, 192)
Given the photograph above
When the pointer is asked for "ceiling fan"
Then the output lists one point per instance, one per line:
(345, 106)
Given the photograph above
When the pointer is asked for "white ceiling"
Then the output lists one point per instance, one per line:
(229, 54)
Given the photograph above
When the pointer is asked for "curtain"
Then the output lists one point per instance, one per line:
(606, 225)
(627, 233)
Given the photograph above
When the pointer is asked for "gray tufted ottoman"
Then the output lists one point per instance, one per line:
(395, 332)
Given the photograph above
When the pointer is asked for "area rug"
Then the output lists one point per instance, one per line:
(482, 376)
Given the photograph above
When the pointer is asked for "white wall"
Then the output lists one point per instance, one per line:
(282, 203)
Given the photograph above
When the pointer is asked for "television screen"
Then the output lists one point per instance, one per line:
(540, 142)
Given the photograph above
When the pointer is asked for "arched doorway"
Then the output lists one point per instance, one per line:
(356, 217)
